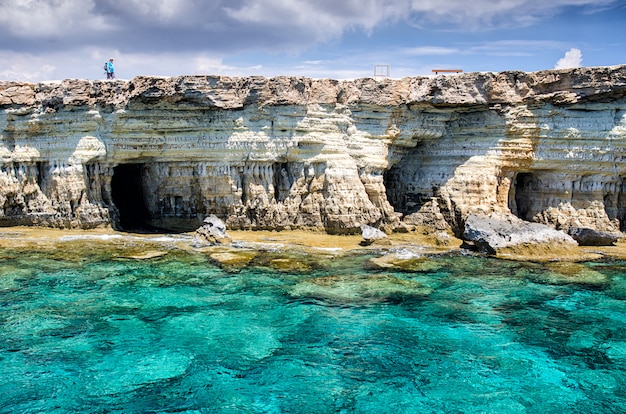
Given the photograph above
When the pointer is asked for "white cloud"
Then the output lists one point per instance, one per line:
(486, 14)
(336, 16)
(25, 68)
(320, 20)
(70, 38)
(44, 18)
(204, 65)
(572, 59)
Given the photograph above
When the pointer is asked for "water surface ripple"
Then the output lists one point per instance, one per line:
(177, 333)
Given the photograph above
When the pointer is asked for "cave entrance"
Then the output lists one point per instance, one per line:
(619, 211)
(524, 188)
(127, 191)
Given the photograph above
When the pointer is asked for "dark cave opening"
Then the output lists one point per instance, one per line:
(128, 196)
(619, 210)
(404, 196)
(524, 188)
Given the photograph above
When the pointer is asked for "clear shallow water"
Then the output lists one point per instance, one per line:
(456, 334)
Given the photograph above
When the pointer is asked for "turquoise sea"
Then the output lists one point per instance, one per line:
(86, 329)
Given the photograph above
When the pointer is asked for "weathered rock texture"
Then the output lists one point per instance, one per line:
(498, 232)
(212, 232)
(284, 152)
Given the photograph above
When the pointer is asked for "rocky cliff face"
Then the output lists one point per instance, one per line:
(288, 152)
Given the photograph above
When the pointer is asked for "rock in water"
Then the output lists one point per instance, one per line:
(212, 232)
(496, 233)
(373, 235)
(590, 237)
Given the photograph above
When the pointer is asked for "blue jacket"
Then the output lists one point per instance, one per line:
(110, 68)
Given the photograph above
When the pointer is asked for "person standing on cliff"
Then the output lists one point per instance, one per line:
(110, 69)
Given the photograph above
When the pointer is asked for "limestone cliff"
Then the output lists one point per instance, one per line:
(292, 152)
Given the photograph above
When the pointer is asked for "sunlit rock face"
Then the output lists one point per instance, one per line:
(285, 153)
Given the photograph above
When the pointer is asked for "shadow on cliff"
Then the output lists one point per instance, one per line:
(448, 167)
(532, 164)
(127, 191)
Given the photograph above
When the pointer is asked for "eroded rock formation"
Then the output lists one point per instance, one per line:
(288, 152)
(497, 232)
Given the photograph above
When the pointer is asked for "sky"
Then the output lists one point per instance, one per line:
(44, 40)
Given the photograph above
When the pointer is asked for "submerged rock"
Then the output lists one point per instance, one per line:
(284, 264)
(233, 261)
(404, 262)
(151, 254)
(212, 232)
(565, 273)
(355, 289)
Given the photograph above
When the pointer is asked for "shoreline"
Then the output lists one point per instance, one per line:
(43, 238)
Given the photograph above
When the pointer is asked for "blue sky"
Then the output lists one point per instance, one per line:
(339, 39)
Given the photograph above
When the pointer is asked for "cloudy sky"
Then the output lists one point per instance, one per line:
(340, 39)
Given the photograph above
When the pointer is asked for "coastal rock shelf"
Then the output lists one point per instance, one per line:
(288, 153)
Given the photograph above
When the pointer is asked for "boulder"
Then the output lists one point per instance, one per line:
(212, 232)
(499, 233)
(373, 235)
(590, 237)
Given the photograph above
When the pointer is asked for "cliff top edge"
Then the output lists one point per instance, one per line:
(582, 69)
(560, 87)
